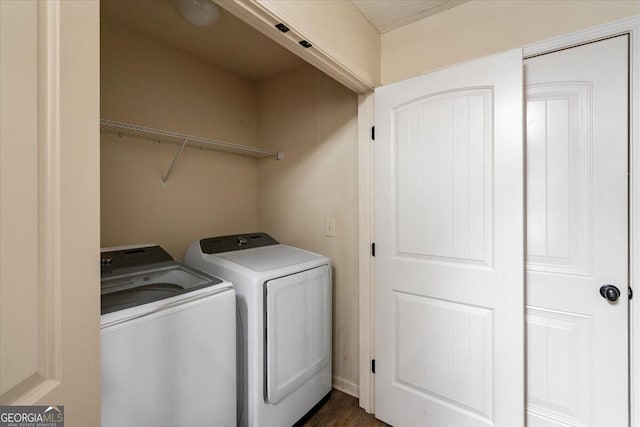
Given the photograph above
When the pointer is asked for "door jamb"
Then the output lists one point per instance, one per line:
(366, 292)
(630, 26)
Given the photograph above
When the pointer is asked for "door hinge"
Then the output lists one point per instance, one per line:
(630, 293)
(373, 249)
(373, 133)
(373, 366)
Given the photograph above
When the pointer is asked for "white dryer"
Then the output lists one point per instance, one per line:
(284, 301)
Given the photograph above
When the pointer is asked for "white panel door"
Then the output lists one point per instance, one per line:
(50, 206)
(577, 372)
(450, 247)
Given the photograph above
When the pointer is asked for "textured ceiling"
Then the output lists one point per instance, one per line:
(229, 43)
(387, 15)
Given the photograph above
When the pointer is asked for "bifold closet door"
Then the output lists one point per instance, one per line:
(577, 236)
(449, 260)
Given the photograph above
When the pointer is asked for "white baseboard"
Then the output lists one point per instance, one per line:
(345, 386)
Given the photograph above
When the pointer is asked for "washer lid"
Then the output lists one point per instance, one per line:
(157, 282)
(269, 258)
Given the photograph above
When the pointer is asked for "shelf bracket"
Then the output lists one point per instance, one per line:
(173, 163)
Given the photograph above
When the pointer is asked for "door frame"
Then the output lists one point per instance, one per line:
(366, 266)
(630, 26)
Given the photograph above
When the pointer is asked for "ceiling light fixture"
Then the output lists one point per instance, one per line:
(197, 12)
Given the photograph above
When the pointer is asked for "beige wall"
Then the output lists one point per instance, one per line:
(209, 193)
(480, 28)
(314, 120)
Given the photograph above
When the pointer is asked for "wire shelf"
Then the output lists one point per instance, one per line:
(181, 139)
(159, 135)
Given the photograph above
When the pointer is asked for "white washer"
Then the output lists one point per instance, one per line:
(168, 342)
(284, 301)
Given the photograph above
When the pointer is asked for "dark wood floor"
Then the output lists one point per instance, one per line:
(341, 410)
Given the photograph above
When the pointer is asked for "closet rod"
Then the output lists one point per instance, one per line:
(159, 135)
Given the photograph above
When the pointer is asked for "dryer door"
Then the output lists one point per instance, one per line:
(298, 315)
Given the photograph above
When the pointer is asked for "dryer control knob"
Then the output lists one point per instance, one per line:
(241, 241)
